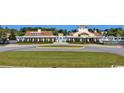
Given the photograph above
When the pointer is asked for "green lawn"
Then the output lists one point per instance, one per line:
(59, 59)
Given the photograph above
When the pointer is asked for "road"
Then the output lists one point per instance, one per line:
(119, 51)
(4, 49)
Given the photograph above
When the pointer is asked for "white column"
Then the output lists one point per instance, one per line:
(52, 39)
(22, 39)
(73, 40)
(18, 39)
(43, 39)
(32, 39)
(27, 39)
(80, 40)
(87, 39)
(48, 39)
(38, 39)
(95, 39)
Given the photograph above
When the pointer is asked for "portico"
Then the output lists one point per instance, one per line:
(53, 39)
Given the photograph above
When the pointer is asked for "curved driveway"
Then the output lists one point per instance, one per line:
(119, 51)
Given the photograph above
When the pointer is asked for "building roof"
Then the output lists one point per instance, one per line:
(84, 33)
(46, 33)
(36, 33)
(97, 34)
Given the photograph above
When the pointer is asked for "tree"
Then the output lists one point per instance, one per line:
(90, 30)
(12, 35)
(3, 36)
(74, 30)
(115, 32)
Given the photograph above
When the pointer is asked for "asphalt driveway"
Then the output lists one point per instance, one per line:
(119, 51)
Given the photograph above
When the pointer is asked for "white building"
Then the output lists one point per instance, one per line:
(82, 35)
(82, 31)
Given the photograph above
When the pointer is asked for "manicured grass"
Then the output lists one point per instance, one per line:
(59, 59)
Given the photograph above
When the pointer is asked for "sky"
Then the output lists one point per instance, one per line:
(68, 27)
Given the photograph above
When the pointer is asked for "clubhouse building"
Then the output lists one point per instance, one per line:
(82, 35)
